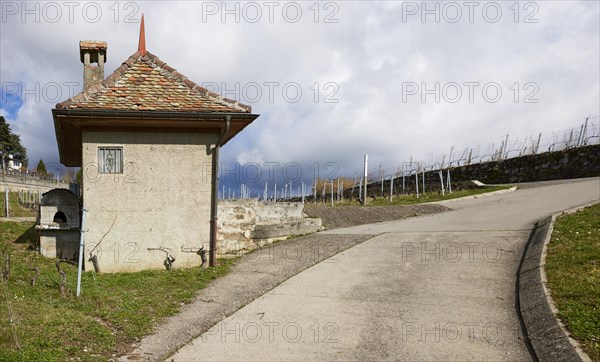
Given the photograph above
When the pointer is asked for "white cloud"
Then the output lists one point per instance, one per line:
(370, 54)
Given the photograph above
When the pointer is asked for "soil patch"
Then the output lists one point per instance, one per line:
(345, 216)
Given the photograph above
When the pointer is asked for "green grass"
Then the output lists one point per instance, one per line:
(573, 272)
(113, 310)
(15, 210)
(412, 199)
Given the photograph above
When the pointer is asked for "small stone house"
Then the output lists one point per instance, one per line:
(141, 208)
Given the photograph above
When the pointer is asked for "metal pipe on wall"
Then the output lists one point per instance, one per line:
(215, 193)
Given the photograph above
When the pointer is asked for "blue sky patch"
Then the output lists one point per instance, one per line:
(10, 102)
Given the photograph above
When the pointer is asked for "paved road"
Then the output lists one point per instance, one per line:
(438, 287)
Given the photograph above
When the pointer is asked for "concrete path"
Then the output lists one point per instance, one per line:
(437, 287)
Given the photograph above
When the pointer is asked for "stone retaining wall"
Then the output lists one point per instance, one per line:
(247, 224)
(565, 164)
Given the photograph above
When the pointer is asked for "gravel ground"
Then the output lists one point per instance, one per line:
(345, 216)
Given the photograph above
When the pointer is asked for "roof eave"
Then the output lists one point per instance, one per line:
(69, 156)
(109, 113)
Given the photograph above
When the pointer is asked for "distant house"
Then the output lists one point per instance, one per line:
(14, 164)
(143, 209)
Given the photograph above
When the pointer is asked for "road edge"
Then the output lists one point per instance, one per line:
(485, 194)
(546, 334)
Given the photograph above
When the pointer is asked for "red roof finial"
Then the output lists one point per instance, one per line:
(142, 42)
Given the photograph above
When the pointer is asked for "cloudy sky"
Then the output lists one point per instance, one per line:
(332, 81)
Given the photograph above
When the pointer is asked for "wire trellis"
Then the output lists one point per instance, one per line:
(510, 146)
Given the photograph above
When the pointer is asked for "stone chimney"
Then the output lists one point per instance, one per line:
(91, 52)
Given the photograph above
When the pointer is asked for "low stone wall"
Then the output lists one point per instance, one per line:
(247, 224)
(22, 183)
(565, 164)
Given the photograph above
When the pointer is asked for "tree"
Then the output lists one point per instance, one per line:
(10, 144)
(79, 176)
(41, 168)
(69, 176)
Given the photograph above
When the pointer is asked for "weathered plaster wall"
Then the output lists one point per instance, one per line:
(162, 199)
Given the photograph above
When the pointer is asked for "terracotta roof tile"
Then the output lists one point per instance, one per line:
(92, 44)
(144, 82)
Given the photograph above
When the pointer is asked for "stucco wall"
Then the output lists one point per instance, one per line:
(162, 199)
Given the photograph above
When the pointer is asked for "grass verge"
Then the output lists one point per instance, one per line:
(37, 323)
(14, 208)
(573, 272)
(412, 199)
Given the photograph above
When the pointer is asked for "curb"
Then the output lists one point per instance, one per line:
(486, 194)
(547, 336)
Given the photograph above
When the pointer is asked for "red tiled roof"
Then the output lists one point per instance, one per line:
(145, 83)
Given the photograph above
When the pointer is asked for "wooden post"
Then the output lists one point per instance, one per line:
(265, 192)
(584, 131)
(579, 138)
(423, 173)
(403, 182)
(537, 144)
(331, 193)
(417, 180)
(360, 188)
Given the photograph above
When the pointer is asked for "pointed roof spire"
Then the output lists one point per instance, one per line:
(142, 42)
